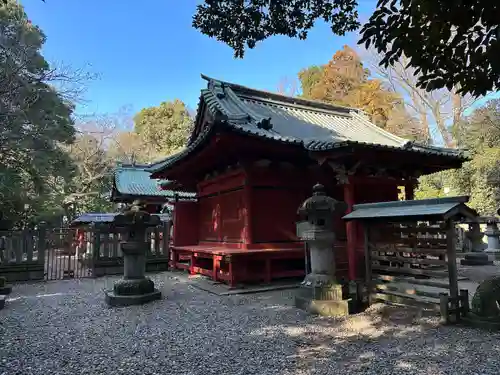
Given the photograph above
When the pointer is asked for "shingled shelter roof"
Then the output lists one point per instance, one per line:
(313, 125)
(134, 180)
(416, 209)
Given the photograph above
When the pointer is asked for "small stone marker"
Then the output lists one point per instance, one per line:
(134, 288)
(320, 293)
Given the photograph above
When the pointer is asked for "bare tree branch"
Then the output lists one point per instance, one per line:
(436, 110)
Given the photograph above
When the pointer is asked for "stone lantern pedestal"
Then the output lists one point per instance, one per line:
(134, 288)
(320, 293)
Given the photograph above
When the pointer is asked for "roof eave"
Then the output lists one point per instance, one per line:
(334, 146)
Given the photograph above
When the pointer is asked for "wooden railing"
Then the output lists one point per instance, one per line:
(53, 254)
(22, 254)
(412, 263)
(101, 250)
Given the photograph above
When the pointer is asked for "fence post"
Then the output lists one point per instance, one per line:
(444, 308)
(96, 247)
(41, 243)
(157, 241)
(166, 240)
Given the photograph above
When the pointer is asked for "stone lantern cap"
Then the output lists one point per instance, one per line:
(318, 202)
(136, 216)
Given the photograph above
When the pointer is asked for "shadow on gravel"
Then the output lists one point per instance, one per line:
(72, 331)
(386, 340)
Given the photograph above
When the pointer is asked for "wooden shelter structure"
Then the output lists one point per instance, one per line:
(410, 252)
(253, 157)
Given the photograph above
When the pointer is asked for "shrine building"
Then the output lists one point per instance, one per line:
(253, 158)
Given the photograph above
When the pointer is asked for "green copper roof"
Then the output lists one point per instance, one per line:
(313, 125)
(134, 179)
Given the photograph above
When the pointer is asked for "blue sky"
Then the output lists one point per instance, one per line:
(147, 52)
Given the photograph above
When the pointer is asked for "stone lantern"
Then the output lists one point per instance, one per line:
(134, 288)
(320, 293)
(492, 234)
(477, 256)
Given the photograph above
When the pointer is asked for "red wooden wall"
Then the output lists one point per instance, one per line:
(222, 209)
(232, 220)
(185, 217)
(208, 221)
(221, 217)
(274, 214)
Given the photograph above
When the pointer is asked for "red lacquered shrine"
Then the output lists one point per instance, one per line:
(254, 156)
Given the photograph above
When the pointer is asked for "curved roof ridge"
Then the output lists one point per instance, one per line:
(292, 100)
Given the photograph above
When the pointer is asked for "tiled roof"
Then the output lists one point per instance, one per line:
(437, 207)
(134, 179)
(316, 126)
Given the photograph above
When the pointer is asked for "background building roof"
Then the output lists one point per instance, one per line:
(134, 180)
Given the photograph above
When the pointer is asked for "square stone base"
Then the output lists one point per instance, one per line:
(493, 254)
(2, 302)
(114, 300)
(6, 289)
(323, 307)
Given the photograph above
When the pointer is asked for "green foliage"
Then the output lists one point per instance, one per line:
(48, 169)
(242, 24)
(434, 34)
(310, 77)
(480, 177)
(446, 55)
(35, 119)
(164, 128)
(89, 188)
(433, 186)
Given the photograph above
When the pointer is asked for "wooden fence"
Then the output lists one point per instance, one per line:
(104, 255)
(54, 254)
(22, 254)
(414, 263)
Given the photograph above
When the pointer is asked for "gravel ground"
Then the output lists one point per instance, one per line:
(64, 327)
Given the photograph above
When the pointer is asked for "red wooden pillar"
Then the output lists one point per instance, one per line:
(350, 231)
(215, 266)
